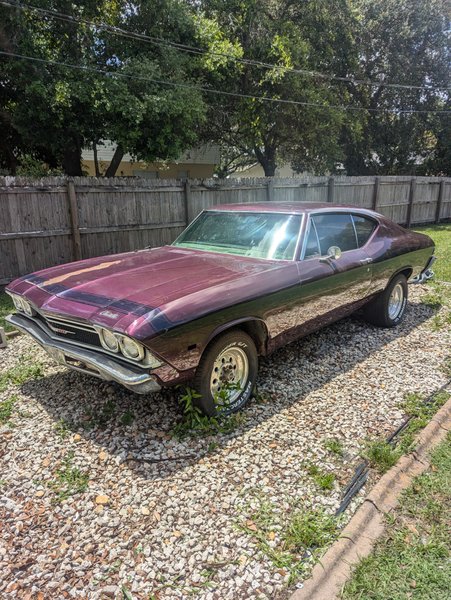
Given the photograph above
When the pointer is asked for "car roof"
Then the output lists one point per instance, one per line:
(291, 207)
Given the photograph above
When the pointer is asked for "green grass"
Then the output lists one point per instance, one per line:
(323, 479)
(127, 418)
(6, 409)
(381, 455)
(69, 480)
(334, 446)
(24, 370)
(413, 558)
(195, 424)
(285, 537)
(6, 307)
(441, 234)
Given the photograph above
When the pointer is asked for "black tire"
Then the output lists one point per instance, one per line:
(236, 348)
(379, 312)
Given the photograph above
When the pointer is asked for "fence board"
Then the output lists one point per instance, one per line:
(120, 214)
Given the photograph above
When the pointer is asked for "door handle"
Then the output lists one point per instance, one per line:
(366, 261)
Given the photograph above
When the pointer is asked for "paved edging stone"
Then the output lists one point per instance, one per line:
(367, 525)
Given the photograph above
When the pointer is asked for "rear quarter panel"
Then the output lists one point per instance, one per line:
(394, 249)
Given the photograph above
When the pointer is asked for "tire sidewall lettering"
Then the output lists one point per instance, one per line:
(234, 344)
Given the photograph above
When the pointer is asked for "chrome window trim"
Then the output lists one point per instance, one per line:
(331, 212)
(298, 248)
(368, 218)
(310, 224)
(355, 232)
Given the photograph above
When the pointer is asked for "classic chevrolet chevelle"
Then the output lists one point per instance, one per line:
(239, 282)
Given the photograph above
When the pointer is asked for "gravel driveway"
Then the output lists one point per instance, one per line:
(154, 517)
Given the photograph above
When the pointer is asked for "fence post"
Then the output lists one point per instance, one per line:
(413, 184)
(74, 224)
(330, 189)
(375, 193)
(270, 190)
(187, 201)
(441, 193)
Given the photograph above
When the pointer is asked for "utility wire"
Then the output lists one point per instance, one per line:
(201, 51)
(208, 90)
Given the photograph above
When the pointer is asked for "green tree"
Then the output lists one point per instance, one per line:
(438, 162)
(314, 35)
(52, 112)
(402, 41)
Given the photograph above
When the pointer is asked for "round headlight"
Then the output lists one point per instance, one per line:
(18, 303)
(27, 308)
(131, 349)
(109, 341)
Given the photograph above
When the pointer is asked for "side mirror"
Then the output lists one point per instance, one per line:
(333, 252)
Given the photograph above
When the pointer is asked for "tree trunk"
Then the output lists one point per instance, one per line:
(115, 161)
(267, 159)
(269, 168)
(96, 159)
(72, 159)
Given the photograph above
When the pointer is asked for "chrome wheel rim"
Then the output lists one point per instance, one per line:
(231, 368)
(396, 301)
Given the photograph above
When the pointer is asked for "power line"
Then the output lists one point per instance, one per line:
(200, 51)
(215, 91)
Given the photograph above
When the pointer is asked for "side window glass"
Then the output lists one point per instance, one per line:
(364, 228)
(335, 230)
(311, 246)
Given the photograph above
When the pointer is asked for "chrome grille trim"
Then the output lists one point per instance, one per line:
(43, 320)
(61, 321)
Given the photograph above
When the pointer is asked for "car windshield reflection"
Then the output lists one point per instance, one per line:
(271, 236)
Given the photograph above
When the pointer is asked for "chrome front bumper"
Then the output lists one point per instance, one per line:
(85, 360)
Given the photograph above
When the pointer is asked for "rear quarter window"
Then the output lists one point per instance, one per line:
(364, 228)
(335, 229)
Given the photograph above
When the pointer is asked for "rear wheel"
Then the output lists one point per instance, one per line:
(226, 374)
(388, 308)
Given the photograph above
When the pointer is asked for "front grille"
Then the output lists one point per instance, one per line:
(72, 331)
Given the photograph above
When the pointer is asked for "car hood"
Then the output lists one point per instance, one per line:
(146, 291)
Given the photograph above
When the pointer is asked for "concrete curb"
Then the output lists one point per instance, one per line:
(367, 525)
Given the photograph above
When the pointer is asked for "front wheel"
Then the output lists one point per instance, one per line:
(226, 374)
(388, 308)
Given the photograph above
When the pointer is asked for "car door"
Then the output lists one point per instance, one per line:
(331, 287)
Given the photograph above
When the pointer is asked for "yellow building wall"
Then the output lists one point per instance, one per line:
(165, 171)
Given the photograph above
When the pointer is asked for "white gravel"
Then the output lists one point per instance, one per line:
(170, 528)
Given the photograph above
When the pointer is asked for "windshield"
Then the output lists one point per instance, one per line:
(260, 235)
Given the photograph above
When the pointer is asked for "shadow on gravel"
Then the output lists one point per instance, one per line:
(136, 430)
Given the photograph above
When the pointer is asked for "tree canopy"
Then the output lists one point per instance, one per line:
(403, 41)
(53, 111)
(145, 87)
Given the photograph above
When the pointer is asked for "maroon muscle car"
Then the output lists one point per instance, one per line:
(239, 282)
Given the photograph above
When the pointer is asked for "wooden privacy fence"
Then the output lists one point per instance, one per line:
(49, 221)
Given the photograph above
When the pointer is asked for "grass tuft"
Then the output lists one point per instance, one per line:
(286, 538)
(194, 423)
(323, 479)
(334, 446)
(381, 455)
(6, 307)
(6, 409)
(69, 480)
(24, 370)
(127, 418)
(309, 529)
